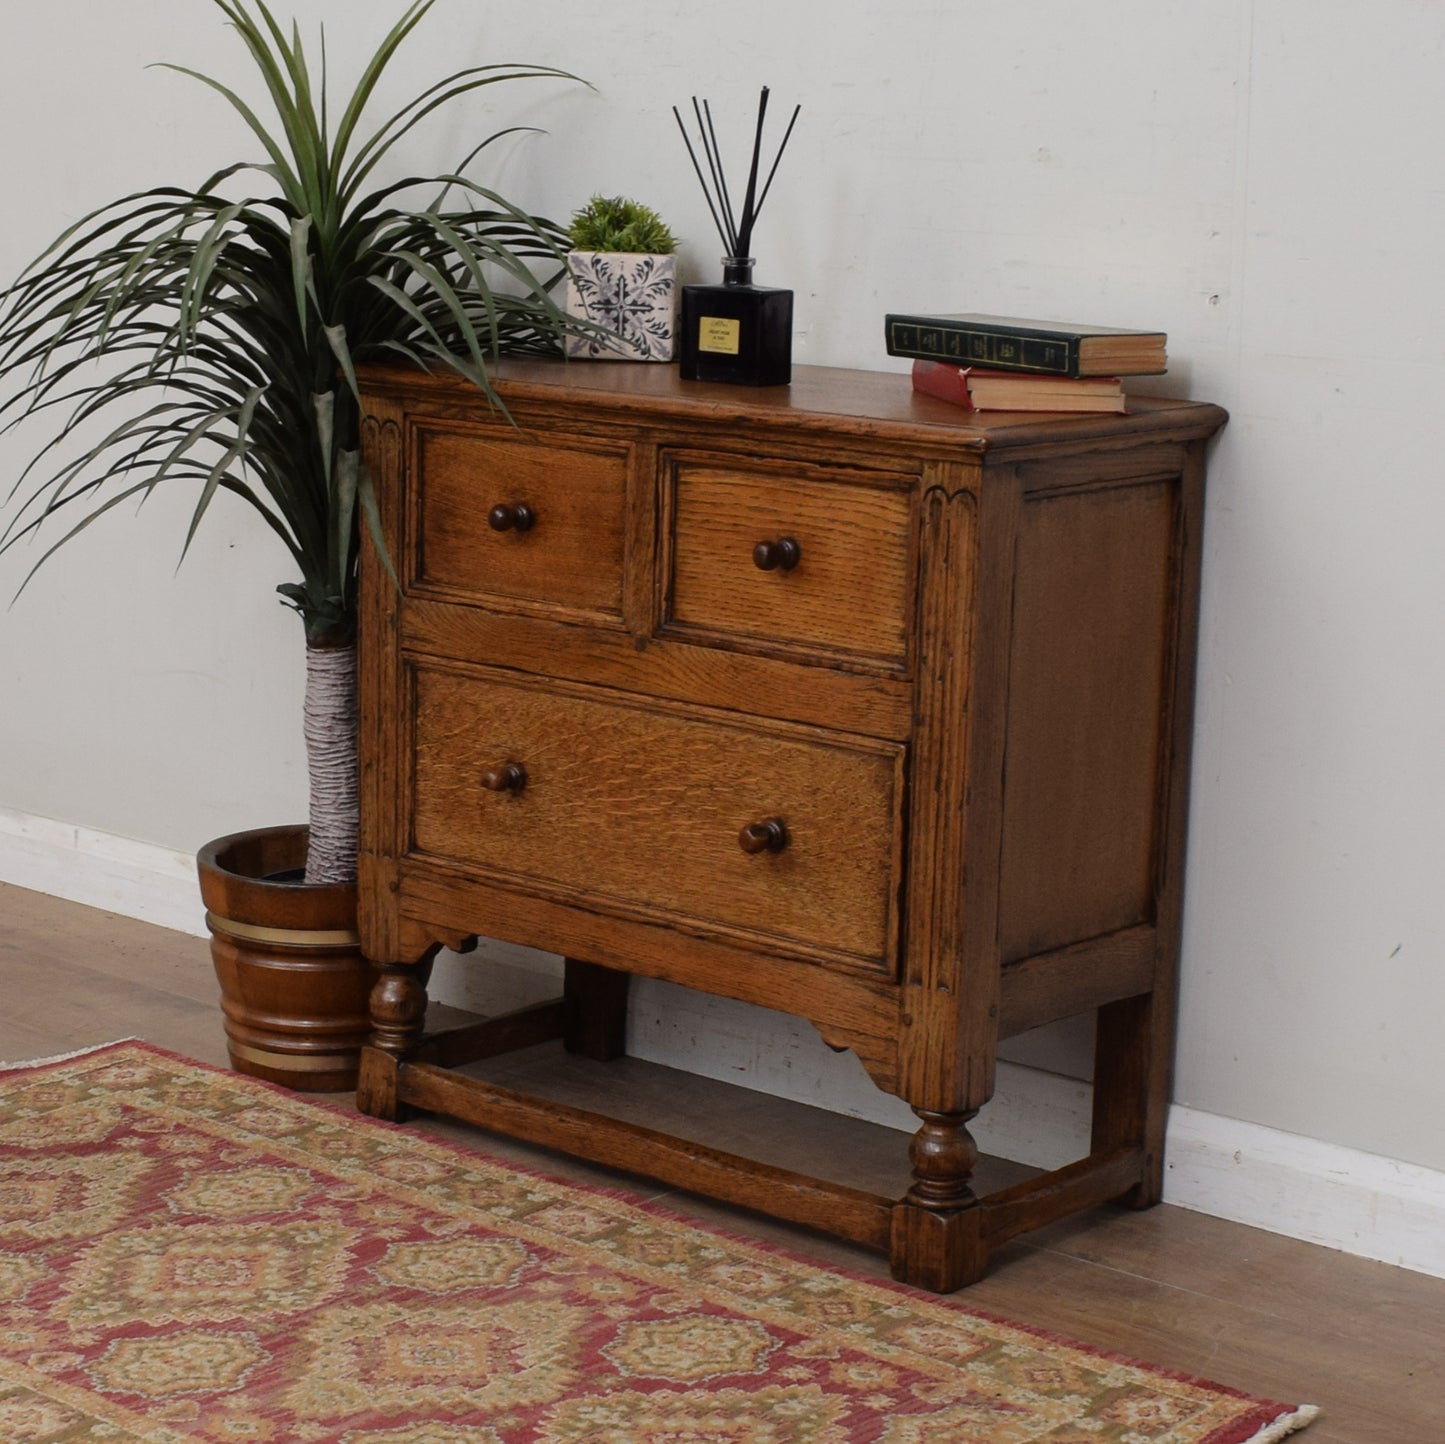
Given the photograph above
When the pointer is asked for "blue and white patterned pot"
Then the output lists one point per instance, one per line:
(632, 295)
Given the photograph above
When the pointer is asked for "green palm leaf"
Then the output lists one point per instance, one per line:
(212, 341)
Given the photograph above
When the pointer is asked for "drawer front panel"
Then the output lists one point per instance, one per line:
(845, 591)
(644, 806)
(568, 553)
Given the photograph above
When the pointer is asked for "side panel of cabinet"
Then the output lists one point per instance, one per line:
(1096, 594)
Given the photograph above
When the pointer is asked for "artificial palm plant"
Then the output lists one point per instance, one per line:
(210, 339)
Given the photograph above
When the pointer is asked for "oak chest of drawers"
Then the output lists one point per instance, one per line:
(829, 698)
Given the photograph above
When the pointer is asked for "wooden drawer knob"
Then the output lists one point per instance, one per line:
(505, 777)
(769, 836)
(782, 555)
(512, 516)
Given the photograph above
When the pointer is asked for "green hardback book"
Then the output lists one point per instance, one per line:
(1010, 343)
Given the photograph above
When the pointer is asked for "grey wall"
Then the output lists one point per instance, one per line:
(1261, 178)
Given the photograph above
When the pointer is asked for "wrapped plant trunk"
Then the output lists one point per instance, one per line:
(331, 721)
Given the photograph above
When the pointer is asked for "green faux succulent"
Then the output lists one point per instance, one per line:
(614, 223)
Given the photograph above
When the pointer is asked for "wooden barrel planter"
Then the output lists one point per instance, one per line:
(294, 985)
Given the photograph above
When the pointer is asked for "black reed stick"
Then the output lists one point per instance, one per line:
(758, 209)
(745, 234)
(707, 195)
(736, 231)
(725, 201)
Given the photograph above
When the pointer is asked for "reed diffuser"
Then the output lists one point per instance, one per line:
(735, 332)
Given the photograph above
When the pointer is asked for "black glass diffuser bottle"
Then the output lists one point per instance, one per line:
(737, 331)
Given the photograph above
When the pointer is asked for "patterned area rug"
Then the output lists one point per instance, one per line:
(186, 1254)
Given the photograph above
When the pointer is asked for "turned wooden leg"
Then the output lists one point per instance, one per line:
(1131, 1088)
(937, 1242)
(594, 1020)
(398, 1020)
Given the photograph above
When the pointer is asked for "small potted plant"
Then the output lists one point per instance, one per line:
(622, 277)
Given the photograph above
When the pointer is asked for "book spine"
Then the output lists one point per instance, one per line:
(963, 345)
(947, 382)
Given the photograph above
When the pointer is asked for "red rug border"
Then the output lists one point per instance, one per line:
(1255, 1428)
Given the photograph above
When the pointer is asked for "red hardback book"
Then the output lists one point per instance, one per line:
(976, 389)
(940, 379)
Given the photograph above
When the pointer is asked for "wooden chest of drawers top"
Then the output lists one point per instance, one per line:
(637, 488)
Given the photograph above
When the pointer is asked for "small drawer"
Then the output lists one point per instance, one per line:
(811, 562)
(501, 518)
(785, 835)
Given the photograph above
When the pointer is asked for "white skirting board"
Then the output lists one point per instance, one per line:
(1344, 1198)
(136, 879)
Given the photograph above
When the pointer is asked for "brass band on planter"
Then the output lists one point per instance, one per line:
(294, 1062)
(285, 937)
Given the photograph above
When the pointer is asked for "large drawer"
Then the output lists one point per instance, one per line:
(792, 559)
(624, 804)
(560, 543)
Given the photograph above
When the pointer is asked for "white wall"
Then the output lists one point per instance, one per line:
(1261, 178)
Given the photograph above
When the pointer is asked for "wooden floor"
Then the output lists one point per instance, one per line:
(1262, 1313)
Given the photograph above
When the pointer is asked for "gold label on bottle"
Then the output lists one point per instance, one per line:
(718, 335)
